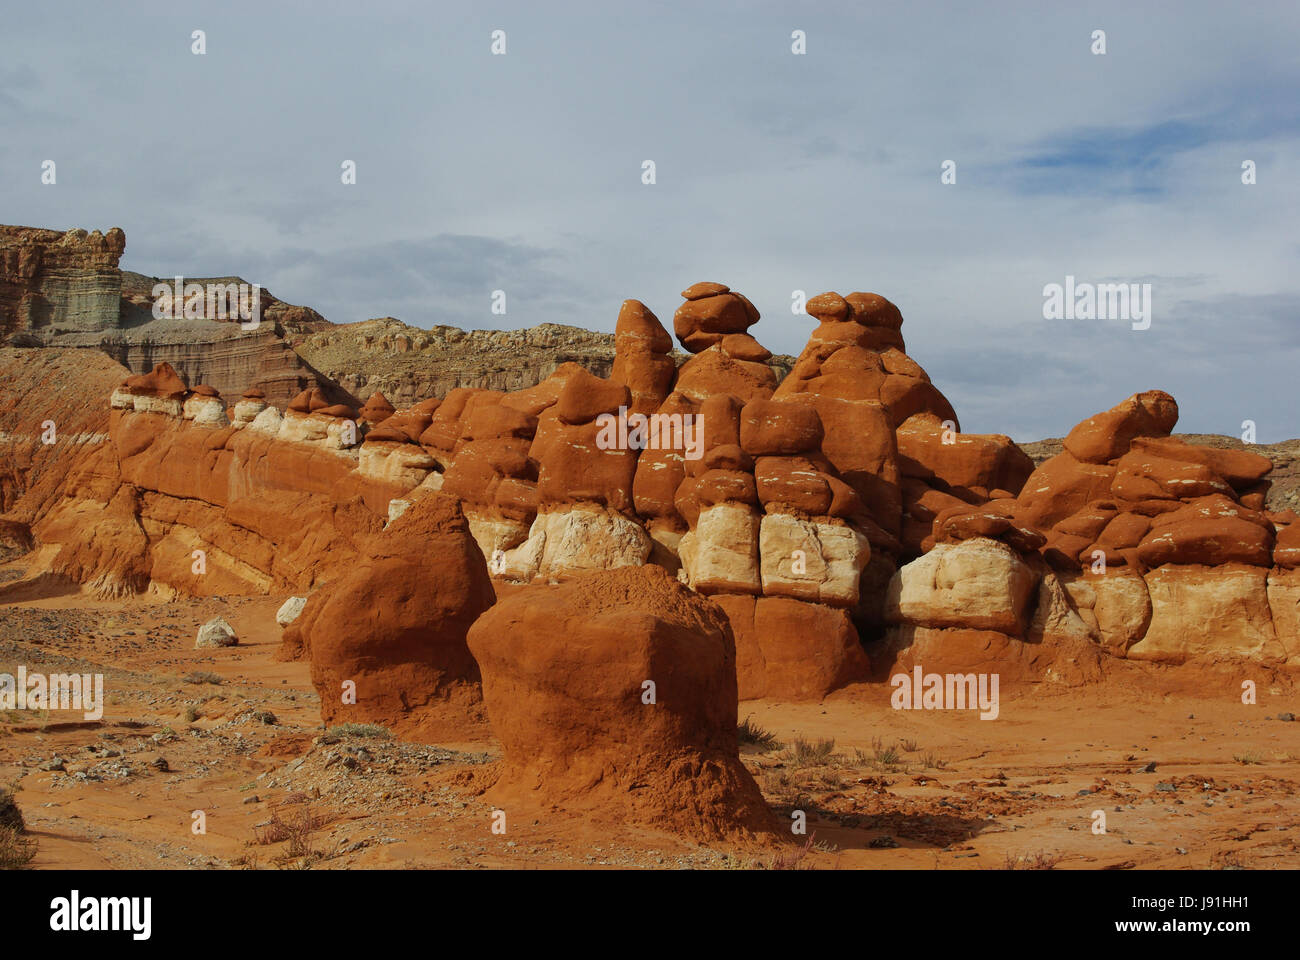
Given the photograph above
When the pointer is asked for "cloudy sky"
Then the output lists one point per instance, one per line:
(775, 172)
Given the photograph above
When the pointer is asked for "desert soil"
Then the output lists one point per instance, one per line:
(1186, 774)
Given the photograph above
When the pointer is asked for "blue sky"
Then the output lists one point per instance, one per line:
(775, 172)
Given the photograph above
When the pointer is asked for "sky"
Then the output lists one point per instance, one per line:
(775, 172)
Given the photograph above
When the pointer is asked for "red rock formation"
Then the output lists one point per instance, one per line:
(790, 650)
(391, 629)
(614, 697)
(642, 362)
(1136, 540)
(784, 500)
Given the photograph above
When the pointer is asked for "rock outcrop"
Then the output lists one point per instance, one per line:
(1163, 550)
(843, 493)
(614, 696)
(52, 282)
(387, 638)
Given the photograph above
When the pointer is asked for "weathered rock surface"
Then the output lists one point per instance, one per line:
(387, 638)
(614, 695)
(216, 633)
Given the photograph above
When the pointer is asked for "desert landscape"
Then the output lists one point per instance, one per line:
(375, 596)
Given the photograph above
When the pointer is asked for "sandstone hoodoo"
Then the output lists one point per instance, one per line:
(1146, 546)
(613, 695)
(387, 639)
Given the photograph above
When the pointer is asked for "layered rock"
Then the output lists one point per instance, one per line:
(1161, 547)
(844, 492)
(52, 282)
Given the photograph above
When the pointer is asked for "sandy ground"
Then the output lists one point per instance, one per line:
(236, 735)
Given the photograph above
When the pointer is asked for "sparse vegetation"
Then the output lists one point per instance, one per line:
(203, 676)
(191, 713)
(372, 730)
(880, 757)
(883, 755)
(793, 859)
(10, 815)
(805, 753)
(16, 850)
(296, 831)
(751, 734)
(1032, 861)
(1247, 758)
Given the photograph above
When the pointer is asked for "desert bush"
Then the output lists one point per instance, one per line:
(805, 753)
(10, 815)
(1032, 861)
(16, 850)
(751, 734)
(296, 831)
(372, 730)
(793, 858)
(203, 676)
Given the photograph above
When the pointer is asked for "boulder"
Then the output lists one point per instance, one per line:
(807, 560)
(613, 696)
(290, 610)
(216, 633)
(1200, 612)
(704, 321)
(776, 428)
(386, 640)
(720, 553)
(788, 650)
(1106, 436)
(976, 584)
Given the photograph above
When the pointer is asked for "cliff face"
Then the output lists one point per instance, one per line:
(52, 282)
(52, 417)
(65, 290)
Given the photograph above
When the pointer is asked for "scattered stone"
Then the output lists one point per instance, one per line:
(216, 633)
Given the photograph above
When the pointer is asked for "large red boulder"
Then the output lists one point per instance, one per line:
(791, 650)
(711, 313)
(161, 381)
(1106, 436)
(613, 695)
(395, 625)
